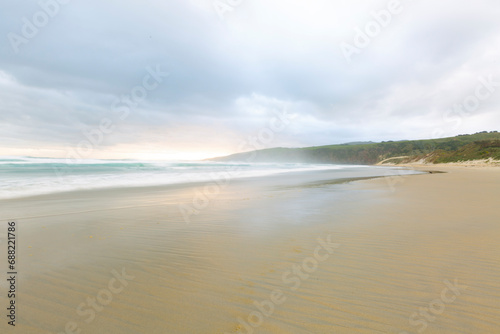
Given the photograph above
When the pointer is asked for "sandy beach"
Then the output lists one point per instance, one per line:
(250, 167)
(406, 254)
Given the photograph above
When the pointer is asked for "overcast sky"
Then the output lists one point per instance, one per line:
(66, 67)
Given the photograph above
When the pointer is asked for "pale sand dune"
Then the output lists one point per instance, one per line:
(400, 239)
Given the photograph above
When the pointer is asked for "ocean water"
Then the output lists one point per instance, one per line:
(27, 176)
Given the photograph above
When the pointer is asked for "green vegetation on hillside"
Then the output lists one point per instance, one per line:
(478, 150)
(481, 145)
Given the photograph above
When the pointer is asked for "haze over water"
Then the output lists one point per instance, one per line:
(27, 176)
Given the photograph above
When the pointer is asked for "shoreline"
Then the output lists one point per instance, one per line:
(420, 167)
(472, 163)
(177, 186)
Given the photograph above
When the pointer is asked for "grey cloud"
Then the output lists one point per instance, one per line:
(66, 78)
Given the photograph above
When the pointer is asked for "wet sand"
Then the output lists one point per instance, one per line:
(401, 252)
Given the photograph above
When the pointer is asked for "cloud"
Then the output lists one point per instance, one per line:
(227, 76)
